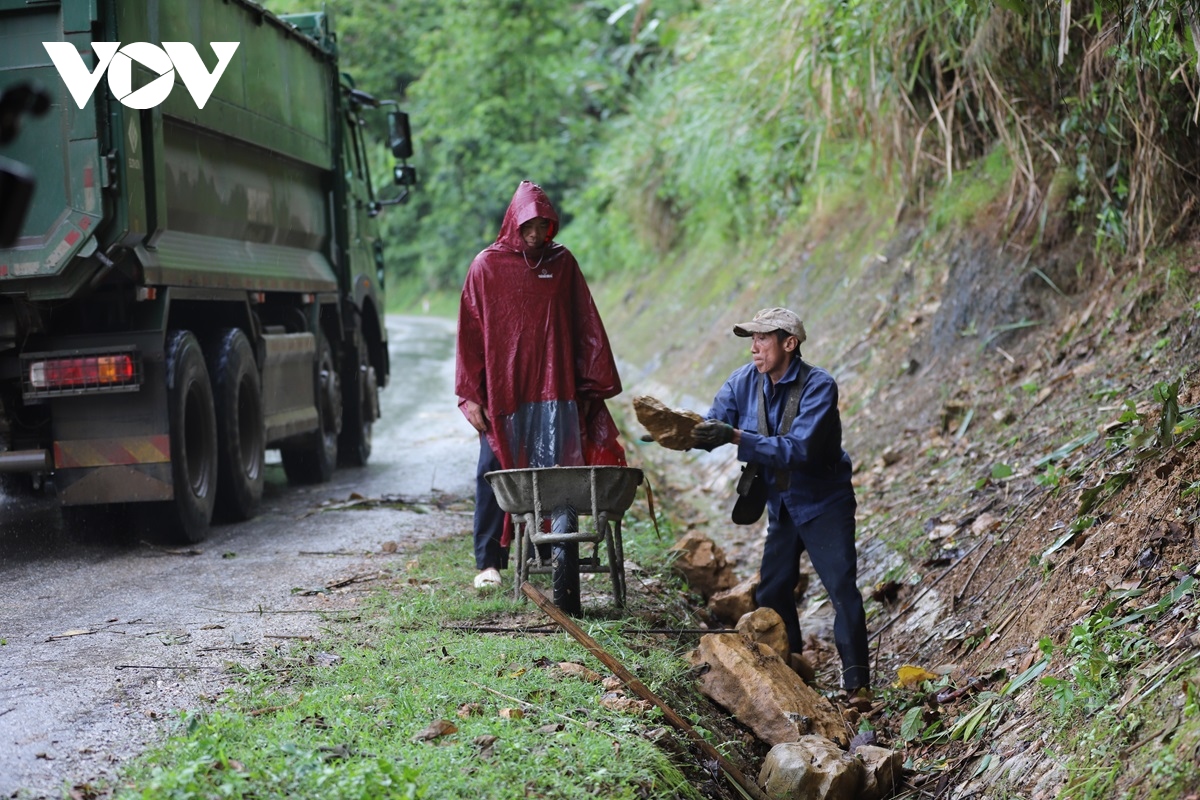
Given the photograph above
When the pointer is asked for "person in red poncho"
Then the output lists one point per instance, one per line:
(533, 365)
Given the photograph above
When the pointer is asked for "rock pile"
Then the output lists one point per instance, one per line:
(812, 756)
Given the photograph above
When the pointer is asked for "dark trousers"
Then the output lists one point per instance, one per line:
(489, 517)
(829, 540)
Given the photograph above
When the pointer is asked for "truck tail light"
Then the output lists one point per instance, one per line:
(56, 375)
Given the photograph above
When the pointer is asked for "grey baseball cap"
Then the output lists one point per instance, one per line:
(772, 319)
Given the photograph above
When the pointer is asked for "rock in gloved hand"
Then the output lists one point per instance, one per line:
(671, 428)
(712, 433)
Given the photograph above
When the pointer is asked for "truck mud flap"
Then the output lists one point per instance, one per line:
(287, 385)
(117, 484)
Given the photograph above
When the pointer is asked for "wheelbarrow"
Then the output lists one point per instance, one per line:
(561, 495)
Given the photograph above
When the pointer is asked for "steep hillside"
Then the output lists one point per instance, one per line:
(1026, 521)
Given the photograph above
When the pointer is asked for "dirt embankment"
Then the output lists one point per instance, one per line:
(1013, 475)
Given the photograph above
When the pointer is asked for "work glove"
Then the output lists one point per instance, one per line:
(712, 433)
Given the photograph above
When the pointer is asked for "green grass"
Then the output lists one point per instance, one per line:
(1127, 714)
(342, 717)
(413, 296)
(971, 194)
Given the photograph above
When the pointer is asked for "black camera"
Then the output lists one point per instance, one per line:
(17, 180)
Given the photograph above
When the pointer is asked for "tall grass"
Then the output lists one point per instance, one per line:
(1095, 105)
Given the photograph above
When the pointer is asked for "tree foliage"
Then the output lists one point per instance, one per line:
(1094, 104)
(659, 121)
(497, 92)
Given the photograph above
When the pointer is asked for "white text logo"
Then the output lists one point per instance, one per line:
(118, 61)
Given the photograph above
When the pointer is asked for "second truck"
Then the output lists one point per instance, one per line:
(189, 286)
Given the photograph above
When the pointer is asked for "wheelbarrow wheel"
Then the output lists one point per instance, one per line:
(565, 560)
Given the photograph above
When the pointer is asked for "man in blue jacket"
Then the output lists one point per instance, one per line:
(782, 414)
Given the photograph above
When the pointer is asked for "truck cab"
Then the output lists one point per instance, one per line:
(191, 284)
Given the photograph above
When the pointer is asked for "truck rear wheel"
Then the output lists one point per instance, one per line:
(313, 458)
(362, 408)
(241, 442)
(193, 440)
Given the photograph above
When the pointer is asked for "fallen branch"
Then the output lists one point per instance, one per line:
(386, 500)
(540, 710)
(539, 629)
(226, 649)
(302, 636)
(1159, 734)
(500, 629)
(638, 688)
(70, 635)
(163, 666)
(272, 709)
(273, 611)
(362, 577)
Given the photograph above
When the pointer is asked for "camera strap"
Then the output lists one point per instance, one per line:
(790, 408)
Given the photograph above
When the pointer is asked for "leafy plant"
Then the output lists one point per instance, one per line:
(1052, 477)
(1168, 395)
(986, 713)
(1091, 783)
(919, 725)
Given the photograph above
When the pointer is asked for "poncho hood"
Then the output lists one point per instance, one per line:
(528, 202)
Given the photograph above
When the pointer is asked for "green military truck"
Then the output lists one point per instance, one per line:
(194, 283)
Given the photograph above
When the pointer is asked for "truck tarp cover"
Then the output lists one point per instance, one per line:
(532, 349)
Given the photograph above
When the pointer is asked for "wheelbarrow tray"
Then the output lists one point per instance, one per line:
(522, 491)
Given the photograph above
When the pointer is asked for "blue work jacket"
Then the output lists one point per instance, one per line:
(811, 450)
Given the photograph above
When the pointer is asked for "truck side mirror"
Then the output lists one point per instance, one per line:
(399, 135)
(404, 175)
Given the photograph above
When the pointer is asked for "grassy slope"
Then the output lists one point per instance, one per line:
(980, 386)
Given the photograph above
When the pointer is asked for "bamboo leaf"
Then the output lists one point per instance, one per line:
(1019, 682)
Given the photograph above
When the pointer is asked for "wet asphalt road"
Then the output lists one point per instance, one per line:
(102, 642)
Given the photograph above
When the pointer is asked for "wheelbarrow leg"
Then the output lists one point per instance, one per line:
(615, 567)
(616, 560)
(565, 561)
(521, 566)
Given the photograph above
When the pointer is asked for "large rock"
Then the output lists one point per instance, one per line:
(702, 563)
(672, 428)
(881, 771)
(765, 626)
(730, 605)
(762, 691)
(811, 768)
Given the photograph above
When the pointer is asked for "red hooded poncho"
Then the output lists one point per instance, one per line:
(533, 352)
